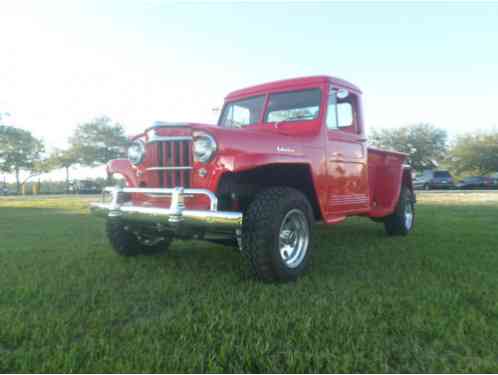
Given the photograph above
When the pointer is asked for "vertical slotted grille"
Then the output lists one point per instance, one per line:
(174, 162)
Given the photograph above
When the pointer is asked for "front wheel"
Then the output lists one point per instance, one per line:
(276, 234)
(128, 242)
(401, 221)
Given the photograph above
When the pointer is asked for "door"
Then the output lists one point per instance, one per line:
(347, 172)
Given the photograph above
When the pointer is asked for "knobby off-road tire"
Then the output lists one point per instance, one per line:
(276, 234)
(128, 243)
(401, 221)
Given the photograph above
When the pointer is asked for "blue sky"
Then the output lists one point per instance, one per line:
(65, 62)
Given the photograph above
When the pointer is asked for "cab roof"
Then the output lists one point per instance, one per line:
(290, 83)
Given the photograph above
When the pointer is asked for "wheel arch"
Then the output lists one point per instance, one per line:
(407, 179)
(246, 184)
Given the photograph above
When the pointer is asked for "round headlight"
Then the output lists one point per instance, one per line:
(204, 147)
(136, 152)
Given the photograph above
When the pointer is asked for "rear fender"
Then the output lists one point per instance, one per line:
(408, 180)
(387, 175)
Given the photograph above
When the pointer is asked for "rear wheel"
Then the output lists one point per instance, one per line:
(128, 242)
(401, 221)
(276, 234)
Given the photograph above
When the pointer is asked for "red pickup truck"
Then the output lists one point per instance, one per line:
(282, 156)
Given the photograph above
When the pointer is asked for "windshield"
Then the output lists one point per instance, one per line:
(441, 174)
(242, 113)
(294, 106)
(283, 106)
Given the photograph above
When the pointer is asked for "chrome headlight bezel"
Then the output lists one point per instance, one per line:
(136, 152)
(204, 146)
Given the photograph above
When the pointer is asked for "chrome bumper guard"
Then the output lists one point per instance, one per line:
(174, 216)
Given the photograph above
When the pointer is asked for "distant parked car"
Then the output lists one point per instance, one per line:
(494, 177)
(477, 182)
(4, 191)
(85, 187)
(430, 179)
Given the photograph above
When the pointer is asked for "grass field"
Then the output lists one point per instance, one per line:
(427, 302)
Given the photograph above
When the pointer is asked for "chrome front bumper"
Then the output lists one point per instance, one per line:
(174, 216)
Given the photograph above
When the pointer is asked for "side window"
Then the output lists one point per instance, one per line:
(344, 115)
(341, 112)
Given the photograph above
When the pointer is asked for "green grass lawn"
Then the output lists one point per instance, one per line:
(370, 303)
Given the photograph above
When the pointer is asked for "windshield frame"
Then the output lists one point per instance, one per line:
(262, 121)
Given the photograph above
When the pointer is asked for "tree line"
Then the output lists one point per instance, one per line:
(96, 142)
(91, 144)
(428, 147)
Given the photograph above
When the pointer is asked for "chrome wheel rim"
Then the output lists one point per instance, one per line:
(408, 214)
(293, 238)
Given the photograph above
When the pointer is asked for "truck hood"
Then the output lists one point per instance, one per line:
(251, 139)
(238, 147)
(258, 140)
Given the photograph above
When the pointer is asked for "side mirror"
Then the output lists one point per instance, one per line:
(342, 94)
